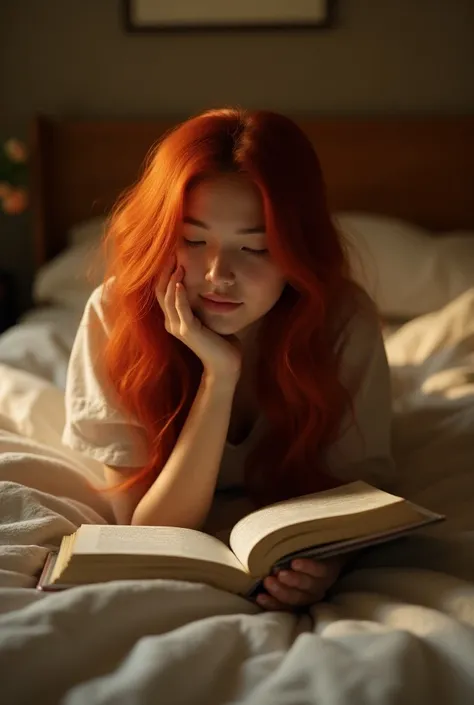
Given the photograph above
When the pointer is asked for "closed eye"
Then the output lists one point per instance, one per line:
(194, 243)
(255, 252)
(197, 243)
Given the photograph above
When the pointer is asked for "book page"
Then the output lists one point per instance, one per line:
(349, 500)
(152, 540)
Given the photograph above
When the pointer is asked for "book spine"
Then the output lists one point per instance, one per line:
(44, 584)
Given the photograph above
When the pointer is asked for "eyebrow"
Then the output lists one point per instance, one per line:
(258, 229)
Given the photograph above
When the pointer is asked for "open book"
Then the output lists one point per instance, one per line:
(317, 525)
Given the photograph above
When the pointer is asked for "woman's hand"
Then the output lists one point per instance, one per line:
(306, 583)
(220, 356)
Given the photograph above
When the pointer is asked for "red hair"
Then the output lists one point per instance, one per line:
(297, 382)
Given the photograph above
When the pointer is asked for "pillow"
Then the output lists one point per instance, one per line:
(408, 270)
(87, 231)
(69, 279)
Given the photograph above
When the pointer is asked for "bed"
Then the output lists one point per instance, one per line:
(399, 628)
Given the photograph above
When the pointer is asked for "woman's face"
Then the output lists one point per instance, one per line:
(223, 249)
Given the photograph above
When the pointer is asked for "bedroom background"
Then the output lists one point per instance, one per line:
(398, 627)
(76, 59)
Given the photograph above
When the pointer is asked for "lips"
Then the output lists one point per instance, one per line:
(219, 299)
(219, 304)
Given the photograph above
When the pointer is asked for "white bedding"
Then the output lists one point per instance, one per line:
(41, 342)
(399, 629)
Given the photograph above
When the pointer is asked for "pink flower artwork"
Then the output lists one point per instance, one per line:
(5, 189)
(13, 176)
(15, 202)
(16, 150)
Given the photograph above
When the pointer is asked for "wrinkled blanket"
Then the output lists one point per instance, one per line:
(398, 629)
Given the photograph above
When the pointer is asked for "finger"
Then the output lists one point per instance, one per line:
(163, 280)
(287, 595)
(270, 603)
(317, 569)
(182, 305)
(301, 581)
(170, 292)
(169, 305)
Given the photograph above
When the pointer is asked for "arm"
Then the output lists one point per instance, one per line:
(182, 494)
(95, 424)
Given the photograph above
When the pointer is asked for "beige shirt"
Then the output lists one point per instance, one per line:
(96, 425)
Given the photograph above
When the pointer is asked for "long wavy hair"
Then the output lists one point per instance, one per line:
(296, 379)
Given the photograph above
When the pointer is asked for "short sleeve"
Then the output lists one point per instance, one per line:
(96, 425)
(363, 449)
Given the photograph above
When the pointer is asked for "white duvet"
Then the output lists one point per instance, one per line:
(397, 630)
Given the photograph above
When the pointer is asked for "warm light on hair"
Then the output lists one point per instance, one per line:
(156, 376)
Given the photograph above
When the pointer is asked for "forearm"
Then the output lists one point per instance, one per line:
(183, 492)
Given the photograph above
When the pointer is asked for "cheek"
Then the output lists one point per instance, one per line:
(182, 257)
(265, 282)
(194, 276)
(192, 267)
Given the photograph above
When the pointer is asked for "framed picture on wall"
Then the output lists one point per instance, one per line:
(198, 15)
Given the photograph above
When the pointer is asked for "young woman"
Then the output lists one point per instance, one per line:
(228, 347)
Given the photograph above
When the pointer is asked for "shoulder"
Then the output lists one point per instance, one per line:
(98, 306)
(94, 330)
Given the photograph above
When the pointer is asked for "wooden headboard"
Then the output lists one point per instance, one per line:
(417, 168)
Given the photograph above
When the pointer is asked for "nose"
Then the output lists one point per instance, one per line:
(220, 271)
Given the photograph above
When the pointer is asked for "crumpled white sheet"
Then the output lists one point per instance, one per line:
(398, 629)
(432, 364)
(41, 342)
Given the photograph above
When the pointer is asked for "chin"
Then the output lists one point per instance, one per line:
(223, 327)
(222, 324)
